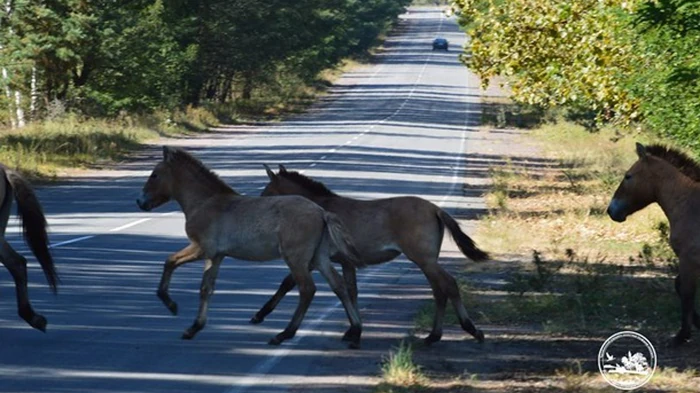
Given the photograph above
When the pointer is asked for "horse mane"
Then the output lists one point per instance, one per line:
(188, 161)
(315, 187)
(677, 158)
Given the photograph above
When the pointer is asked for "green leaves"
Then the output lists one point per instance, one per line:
(554, 53)
(626, 61)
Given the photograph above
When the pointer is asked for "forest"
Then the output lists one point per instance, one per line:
(103, 58)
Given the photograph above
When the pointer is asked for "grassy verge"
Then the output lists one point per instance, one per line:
(566, 380)
(42, 150)
(584, 266)
(562, 197)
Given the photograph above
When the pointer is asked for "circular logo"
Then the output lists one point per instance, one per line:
(627, 360)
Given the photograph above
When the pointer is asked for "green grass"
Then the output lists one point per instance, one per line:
(399, 372)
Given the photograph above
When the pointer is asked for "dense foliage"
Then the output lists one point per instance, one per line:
(102, 57)
(623, 60)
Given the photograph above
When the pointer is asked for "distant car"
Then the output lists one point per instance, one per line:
(440, 43)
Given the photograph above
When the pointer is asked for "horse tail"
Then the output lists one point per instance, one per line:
(464, 242)
(33, 224)
(342, 240)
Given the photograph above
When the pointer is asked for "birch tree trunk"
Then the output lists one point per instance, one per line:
(8, 93)
(5, 75)
(19, 110)
(34, 96)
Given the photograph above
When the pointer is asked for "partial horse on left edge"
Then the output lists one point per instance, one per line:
(671, 179)
(12, 184)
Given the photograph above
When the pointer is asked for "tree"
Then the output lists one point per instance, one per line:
(554, 52)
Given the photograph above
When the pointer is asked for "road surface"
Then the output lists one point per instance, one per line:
(399, 126)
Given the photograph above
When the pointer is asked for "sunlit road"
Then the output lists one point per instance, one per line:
(397, 127)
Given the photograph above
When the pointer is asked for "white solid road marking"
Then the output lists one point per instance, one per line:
(137, 222)
(117, 229)
(78, 239)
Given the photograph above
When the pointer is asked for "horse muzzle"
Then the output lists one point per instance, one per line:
(616, 211)
(144, 204)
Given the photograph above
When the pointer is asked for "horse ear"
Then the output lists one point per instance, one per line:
(282, 168)
(641, 151)
(270, 174)
(167, 154)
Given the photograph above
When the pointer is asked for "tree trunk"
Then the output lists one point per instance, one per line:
(34, 96)
(247, 86)
(18, 108)
(5, 76)
(8, 93)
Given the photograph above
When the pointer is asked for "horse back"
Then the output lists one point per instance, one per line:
(386, 224)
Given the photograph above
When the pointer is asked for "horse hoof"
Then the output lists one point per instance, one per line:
(353, 335)
(275, 341)
(349, 335)
(39, 323)
(479, 336)
(187, 335)
(431, 339)
(354, 345)
(191, 332)
(256, 320)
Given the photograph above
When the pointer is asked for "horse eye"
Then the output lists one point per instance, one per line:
(627, 177)
(154, 176)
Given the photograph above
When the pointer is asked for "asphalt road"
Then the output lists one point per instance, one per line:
(396, 127)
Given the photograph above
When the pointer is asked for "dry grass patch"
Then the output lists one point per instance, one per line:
(43, 149)
(559, 201)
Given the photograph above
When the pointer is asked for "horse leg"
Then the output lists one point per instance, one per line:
(17, 266)
(440, 298)
(287, 285)
(430, 268)
(350, 278)
(687, 286)
(188, 254)
(452, 292)
(307, 289)
(696, 316)
(323, 264)
(211, 271)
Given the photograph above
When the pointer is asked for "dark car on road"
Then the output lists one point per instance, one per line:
(440, 43)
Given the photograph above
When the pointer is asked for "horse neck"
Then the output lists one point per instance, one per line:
(301, 191)
(190, 191)
(673, 192)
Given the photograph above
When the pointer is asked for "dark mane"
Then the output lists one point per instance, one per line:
(677, 158)
(188, 161)
(315, 187)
